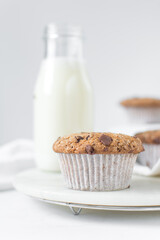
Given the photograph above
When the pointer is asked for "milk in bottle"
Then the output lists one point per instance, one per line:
(63, 101)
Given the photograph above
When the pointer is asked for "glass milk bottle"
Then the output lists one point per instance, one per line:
(63, 101)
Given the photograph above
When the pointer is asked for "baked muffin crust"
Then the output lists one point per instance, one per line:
(149, 137)
(141, 102)
(98, 143)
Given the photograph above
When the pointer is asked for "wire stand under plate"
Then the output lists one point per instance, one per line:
(75, 211)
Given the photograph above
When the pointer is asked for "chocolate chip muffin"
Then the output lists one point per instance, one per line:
(144, 110)
(98, 143)
(151, 143)
(97, 161)
(141, 102)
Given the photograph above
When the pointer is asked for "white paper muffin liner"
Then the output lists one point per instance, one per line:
(150, 156)
(98, 172)
(143, 115)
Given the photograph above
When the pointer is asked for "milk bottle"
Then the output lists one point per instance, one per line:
(63, 101)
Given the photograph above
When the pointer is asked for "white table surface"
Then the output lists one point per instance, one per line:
(24, 218)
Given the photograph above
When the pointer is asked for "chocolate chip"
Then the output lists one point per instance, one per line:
(78, 138)
(89, 149)
(118, 149)
(106, 140)
(156, 140)
(87, 137)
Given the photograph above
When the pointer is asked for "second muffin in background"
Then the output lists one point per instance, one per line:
(142, 110)
(151, 143)
(97, 161)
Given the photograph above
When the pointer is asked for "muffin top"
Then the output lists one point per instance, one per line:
(98, 143)
(150, 137)
(141, 102)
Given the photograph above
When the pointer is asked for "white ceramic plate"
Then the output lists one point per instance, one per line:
(143, 195)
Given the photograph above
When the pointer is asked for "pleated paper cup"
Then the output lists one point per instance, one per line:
(150, 156)
(143, 115)
(98, 172)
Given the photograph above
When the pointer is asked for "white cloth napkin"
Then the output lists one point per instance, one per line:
(146, 171)
(15, 156)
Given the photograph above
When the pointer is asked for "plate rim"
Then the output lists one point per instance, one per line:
(86, 205)
(102, 207)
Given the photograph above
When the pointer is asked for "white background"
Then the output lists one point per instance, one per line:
(123, 53)
(122, 49)
(23, 218)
